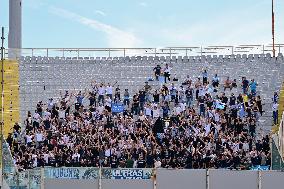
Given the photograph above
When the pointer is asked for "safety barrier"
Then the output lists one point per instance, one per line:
(106, 178)
(123, 52)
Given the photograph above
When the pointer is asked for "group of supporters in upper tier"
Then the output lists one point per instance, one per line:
(200, 123)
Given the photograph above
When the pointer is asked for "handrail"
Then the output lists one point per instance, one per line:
(140, 51)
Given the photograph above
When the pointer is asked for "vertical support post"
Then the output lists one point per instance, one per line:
(41, 178)
(47, 52)
(186, 52)
(63, 52)
(207, 178)
(29, 179)
(78, 55)
(155, 52)
(154, 178)
(17, 180)
(232, 50)
(100, 178)
(263, 49)
(273, 31)
(109, 53)
(259, 179)
(32, 52)
(201, 51)
(124, 55)
(2, 103)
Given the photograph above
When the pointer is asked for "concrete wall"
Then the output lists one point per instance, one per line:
(127, 184)
(224, 179)
(180, 179)
(272, 179)
(70, 184)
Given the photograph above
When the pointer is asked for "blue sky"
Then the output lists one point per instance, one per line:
(145, 23)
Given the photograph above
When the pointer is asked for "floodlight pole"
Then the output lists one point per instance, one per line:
(273, 31)
(2, 103)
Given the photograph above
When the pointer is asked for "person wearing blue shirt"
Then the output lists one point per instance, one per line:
(215, 81)
(80, 98)
(275, 97)
(252, 86)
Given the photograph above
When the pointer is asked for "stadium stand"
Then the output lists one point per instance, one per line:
(218, 130)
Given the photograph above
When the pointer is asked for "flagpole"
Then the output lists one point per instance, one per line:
(273, 31)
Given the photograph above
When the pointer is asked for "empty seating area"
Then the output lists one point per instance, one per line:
(44, 77)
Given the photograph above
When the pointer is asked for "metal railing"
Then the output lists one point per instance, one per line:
(123, 52)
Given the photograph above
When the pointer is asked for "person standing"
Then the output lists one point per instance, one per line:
(204, 76)
(109, 91)
(245, 85)
(252, 86)
(157, 71)
(167, 73)
(189, 96)
(275, 112)
(101, 92)
(126, 98)
(215, 81)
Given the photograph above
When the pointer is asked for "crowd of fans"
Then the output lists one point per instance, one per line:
(198, 124)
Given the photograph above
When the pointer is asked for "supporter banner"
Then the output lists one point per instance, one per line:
(126, 173)
(259, 167)
(72, 173)
(117, 108)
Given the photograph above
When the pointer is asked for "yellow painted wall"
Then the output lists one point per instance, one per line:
(11, 95)
(281, 103)
(280, 108)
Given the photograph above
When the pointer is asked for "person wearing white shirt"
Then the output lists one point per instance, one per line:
(76, 156)
(61, 114)
(46, 115)
(101, 92)
(100, 109)
(29, 139)
(148, 111)
(50, 104)
(109, 91)
(36, 120)
(108, 152)
(178, 110)
(108, 101)
(156, 112)
(158, 163)
(38, 138)
(167, 73)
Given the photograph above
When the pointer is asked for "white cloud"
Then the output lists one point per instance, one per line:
(116, 37)
(143, 4)
(99, 12)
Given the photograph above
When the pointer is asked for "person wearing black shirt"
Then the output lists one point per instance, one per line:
(92, 99)
(135, 105)
(113, 162)
(141, 163)
(142, 96)
(156, 97)
(157, 71)
(245, 85)
(232, 100)
(201, 106)
(189, 96)
(17, 127)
